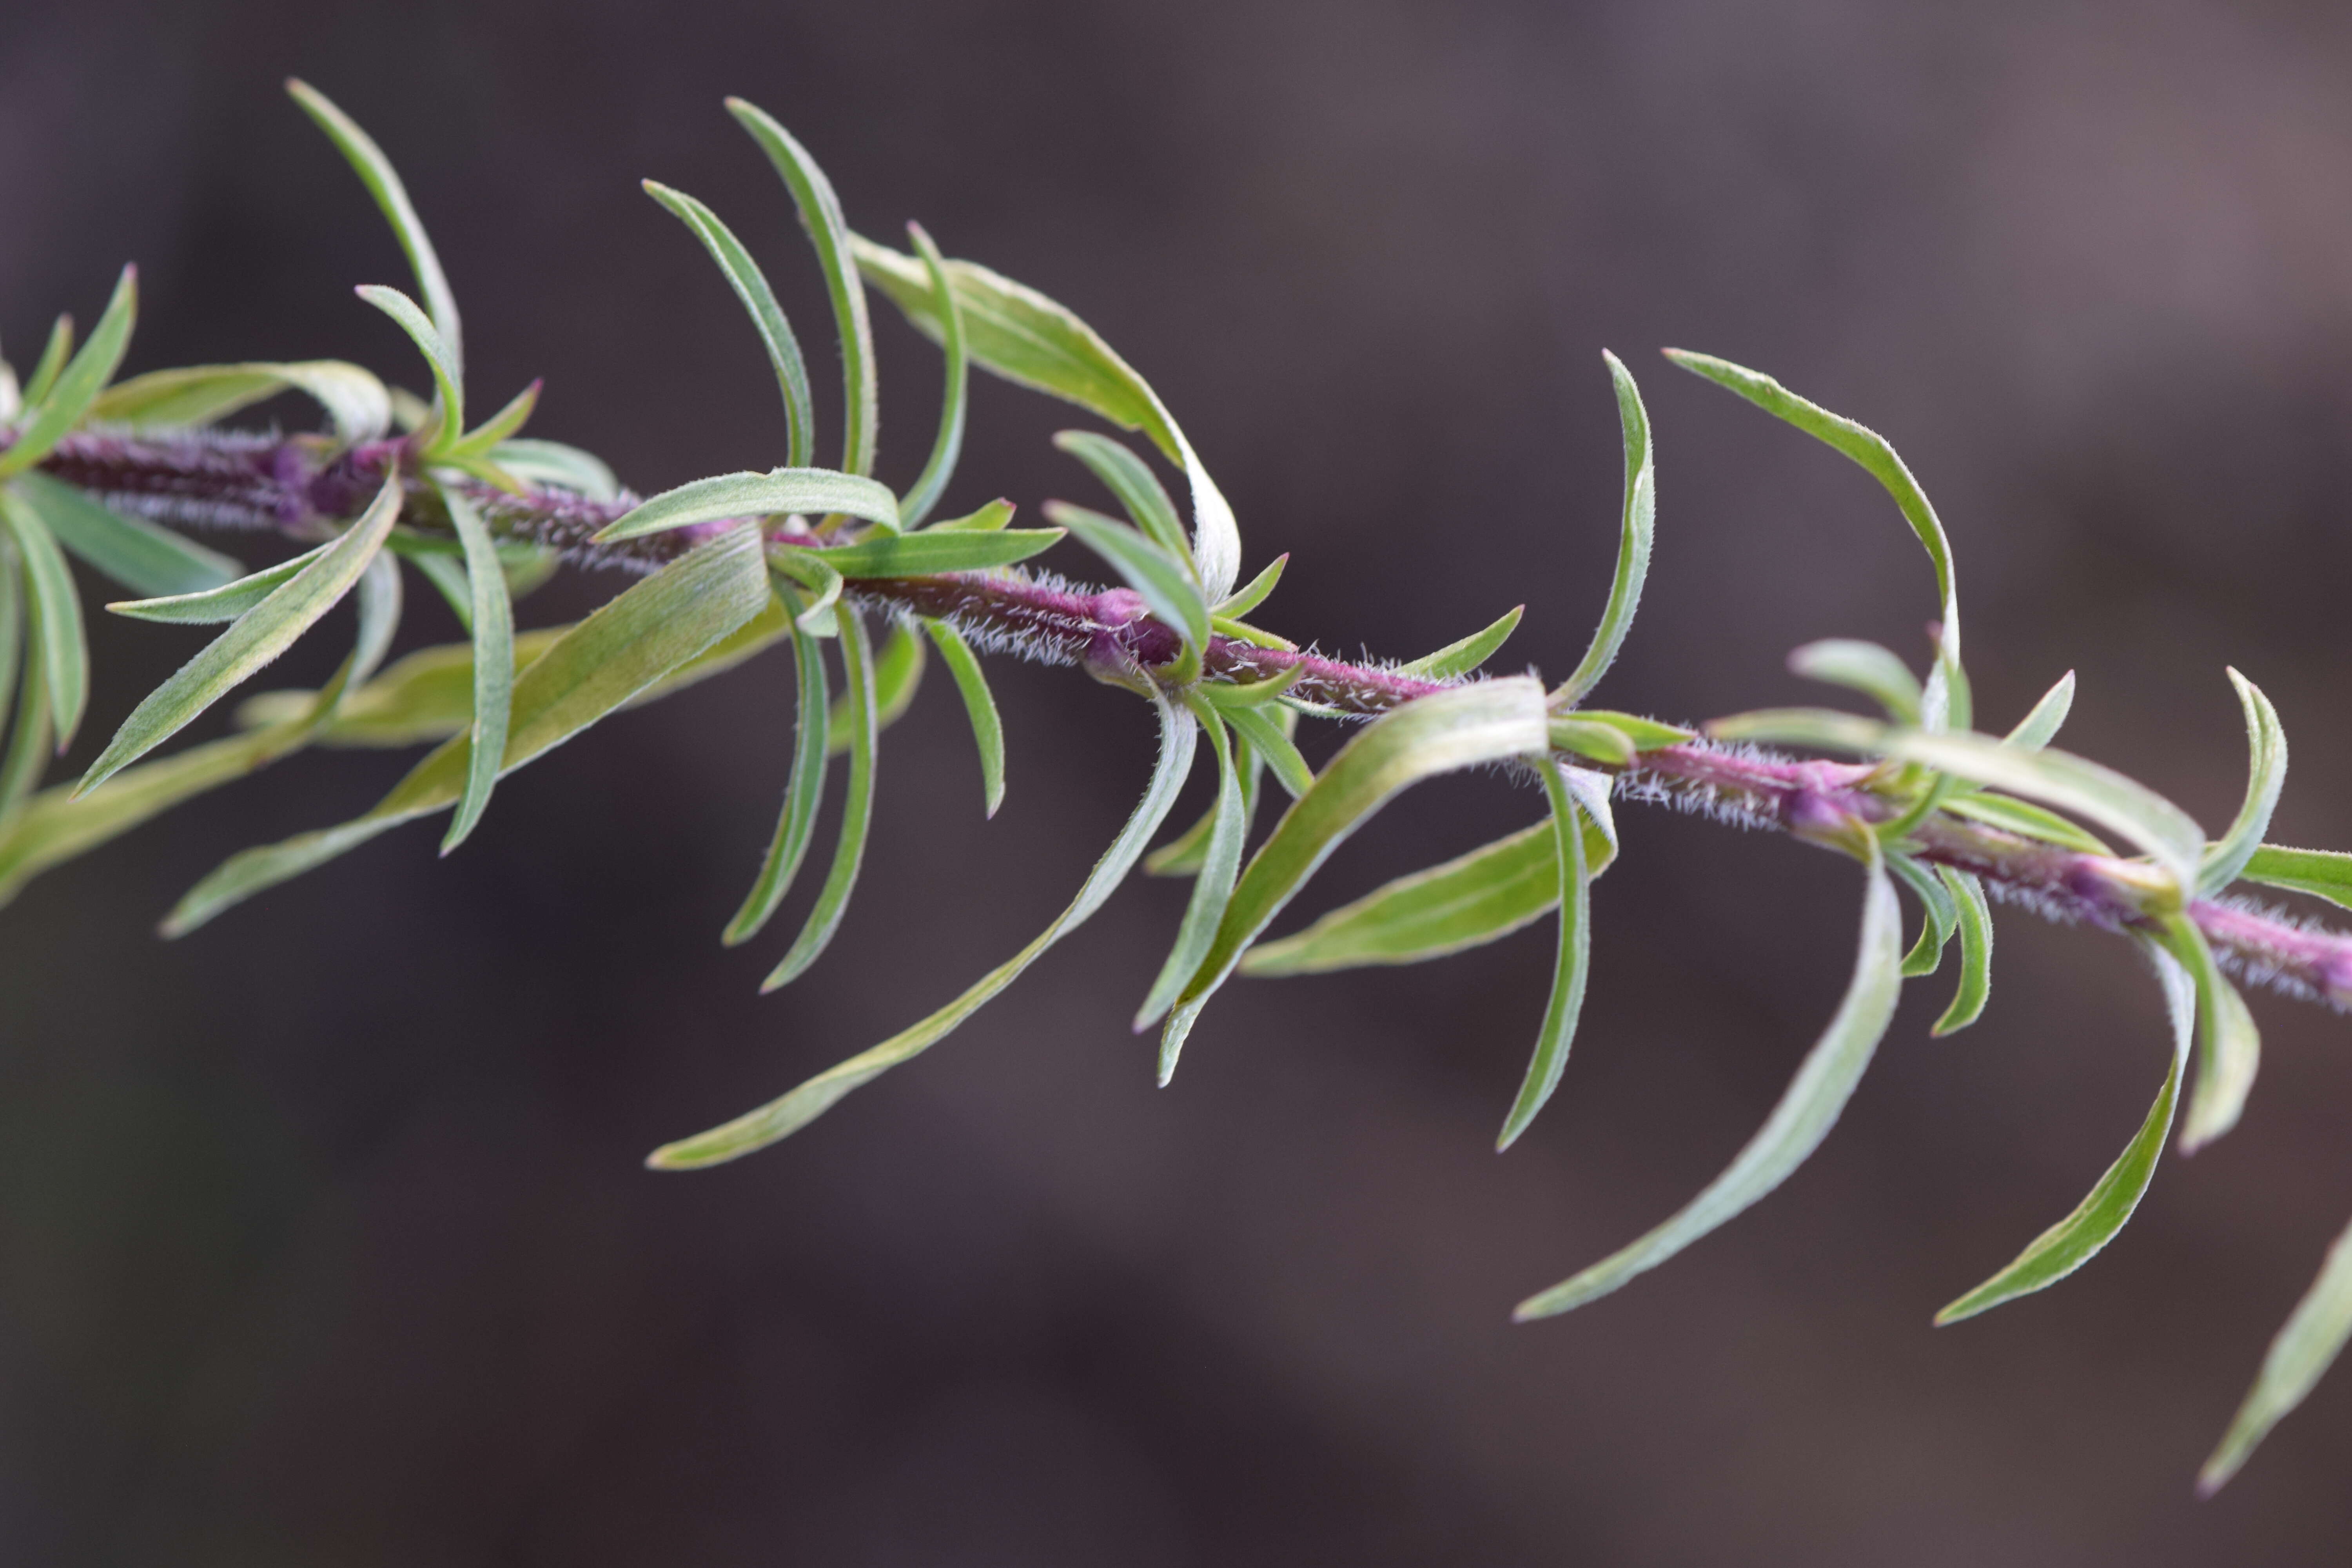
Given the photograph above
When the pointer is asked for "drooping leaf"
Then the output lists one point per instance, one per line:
(375, 172)
(135, 553)
(1638, 524)
(987, 729)
(449, 380)
(814, 573)
(856, 812)
(1572, 891)
(820, 212)
(2027, 820)
(2322, 873)
(2040, 727)
(28, 746)
(1271, 741)
(1798, 1124)
(932, 482)
(1027, 338)
(750, 286)
(937, 550)
(254, 639)
(1441, 733)
(491, 621)
(1976, 951)
(2075, 1240)
(78, 384)
(424, 697)
(724, 496)
(1137, 490)
(804, 792)
(2306, 1345)
(1221, 863)
(898, 673)
(2230, 1048)
(627, 646)
(788, 1115)
(2266, 776)
(356, 402)
(1862, 666)
(1939, 918)
(1462, 658)
(554, 463)
(57, 616)
(213, 606)
(1165, 580)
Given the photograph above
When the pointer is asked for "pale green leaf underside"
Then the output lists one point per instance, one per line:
(1637, 525)
(355, 401)
(781, 491)
(1461, 657)
(1572, 892)
(2314, 1334)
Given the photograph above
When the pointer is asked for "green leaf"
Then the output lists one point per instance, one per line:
(2322, 873)
(1029, 339)
(492, 620)
(898, 673)
(1252, 594)
(820, 212)
(933, 480)
(29, 748)
(1601, 742)
(813, 573)
(1939, 916)
(133, 552)
(1228, 695)
(2075, 1240)
(936, 549)
(1221, 863)
(485, 437)
(356, 402)
(2231, 1048)
(2266, 741)
(375, 172)
(1125, 476)
(447, 572)
(1165, 580)
(52, 362)
(57, 616)
(783, 1117)
(1266, 738)
(1461, 728)
(77, 386)
(1877, 459)
(2027, 820)
(1573, 892)
(425, 697)
(987, 729)
(12, 623)
(554, 463)
(1639, 523)
(1976, 953)
(254, 639)
(750, 286)
(1647, 734)
(804, 792)
(213, 606)
(857, 813)
(2039, 728)
(448, 383)
(2314, 1334)
(1862, 666)
(758, 495)
(659, 625)
(1797, 1125)
(1462, 658)
(987, 520)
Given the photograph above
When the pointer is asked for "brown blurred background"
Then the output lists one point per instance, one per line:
(322, 1234)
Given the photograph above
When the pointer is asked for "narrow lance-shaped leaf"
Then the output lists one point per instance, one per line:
(448, 381)
(28, 744)
(1165, 580)
(356, 402)
(1862, 666)
(2230, 1047)
(1137, 489)
(2265, 777)
(1462, 658)
(820, 212)
(215, 606)
(1947, 688)
(1436, 735)
(932, 482)
(2040, 726)
(254, 639)
(788, 1115)
(627, 646)
(78, 384)
(2322, 873)
(1574, 890)
(12, 623)
(936, 549)
(52, 362)
(2308, 1343)
(803, 792)
(1939, 916)
(135, 553)
(1638, 524)
(554, 463)
(987, 729)
(375, 172)
(856, 812)
(485, 437)
(1270, 741)
(1976, 951)
(814, 573)
(2026, 819)
(57, 616)
(723, 496)
(750, 286)
(1800, 1121)
(2075, 1240)
(491, 619)
(1252, 594)
(898, 674)
(1027, 338)
(1221, 862)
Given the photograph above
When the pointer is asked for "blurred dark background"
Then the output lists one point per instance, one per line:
(322, 1233)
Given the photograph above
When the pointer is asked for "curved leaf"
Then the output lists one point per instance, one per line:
(1940, 916)
(1573, 892)
(1462, 658)
(857, 813)
(1221, 862)
(987, 729)
(2322, 873)
(1862, 666)
(355, 401)
(804, 792)
(2231, 1048)
(2266, 776)
(449, 380)
(57, 616)
(2313, 1335)
(141, 556)
(935, 551)
(1125, 476)
(78, 384)
(1165, 580)
(2027, 820)
(1976, 953)
(932, 482)
(215, 606)
(727, 496)
(490, 617)
(1639, 522)
(2040, 727)
(750, 286)
(1253, 592)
